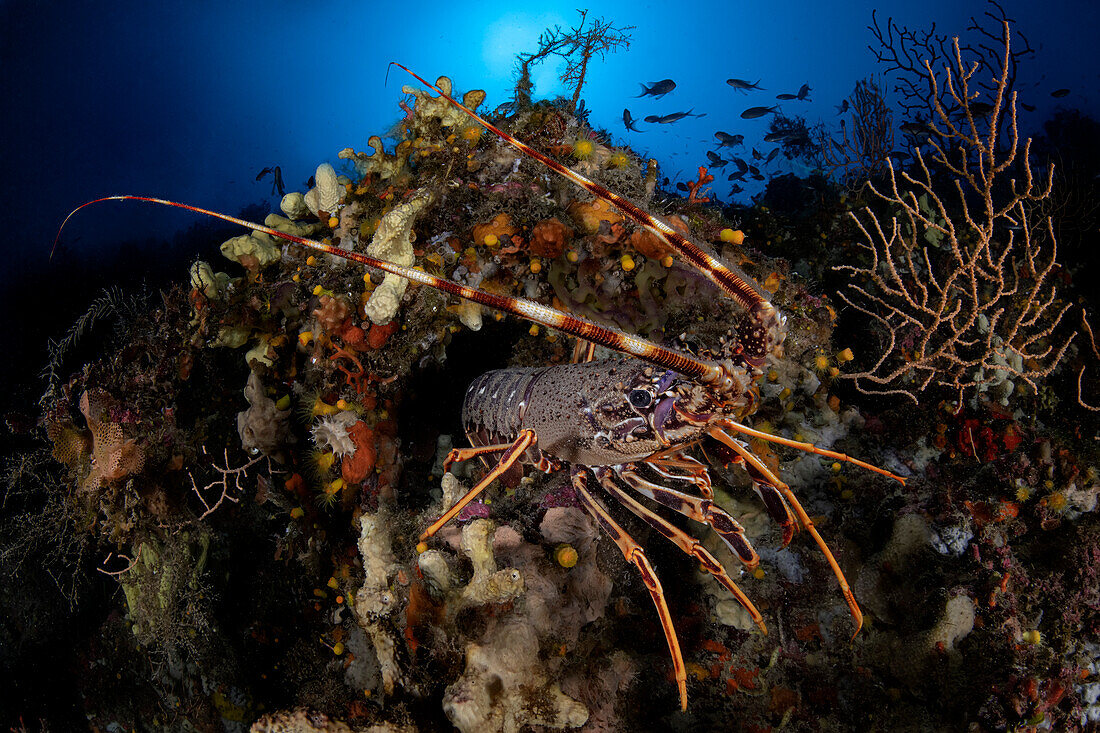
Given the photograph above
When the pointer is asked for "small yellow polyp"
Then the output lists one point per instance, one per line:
(732, 236)
(421, 548)
(565, 555)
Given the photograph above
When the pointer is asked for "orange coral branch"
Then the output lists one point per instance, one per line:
(695, 186)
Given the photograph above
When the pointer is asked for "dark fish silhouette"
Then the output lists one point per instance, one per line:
(657, 89)
(775, 137)
(1058, 93)
(674, 117)
(743, 86)
(629, 121)
(716, 160)
(842, 107)
(1028, 107)
(753, 112)
(916, 129)
(736, 189)
(771, 156)
(756, 156)
(804, 92)
(276, 179)
(786, 97)
(736, 176)
(727, 140)
(742, 166)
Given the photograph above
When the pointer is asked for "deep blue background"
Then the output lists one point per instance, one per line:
(190, 100)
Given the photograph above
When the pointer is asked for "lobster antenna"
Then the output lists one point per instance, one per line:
(703, 370)
(730, 279)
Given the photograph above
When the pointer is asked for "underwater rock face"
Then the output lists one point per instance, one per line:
(504, 689)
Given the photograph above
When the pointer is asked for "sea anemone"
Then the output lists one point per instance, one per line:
(331, 432)
(619, 159)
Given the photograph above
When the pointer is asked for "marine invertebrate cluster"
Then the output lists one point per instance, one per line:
(520, 616)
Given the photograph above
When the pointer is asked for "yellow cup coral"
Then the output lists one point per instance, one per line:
(582, 149)
(732, 236)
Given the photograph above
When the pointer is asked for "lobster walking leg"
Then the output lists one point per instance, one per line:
(695, 472)
(717, 433)
(458, 455)
(727, 424)
(688, 544)
(513, 454)
(583, 351)
(634, 553)
(701, 510)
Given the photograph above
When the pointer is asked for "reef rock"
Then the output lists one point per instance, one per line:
(504, 688)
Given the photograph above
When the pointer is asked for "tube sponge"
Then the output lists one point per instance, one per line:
(326, 194)
(253, 251)
(393, 241)
(428, 107)
(262, 426)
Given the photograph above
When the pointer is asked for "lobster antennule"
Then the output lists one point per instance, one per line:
(732, 281)
(701, 369)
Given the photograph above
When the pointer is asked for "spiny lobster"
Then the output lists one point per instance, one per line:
(624, 420)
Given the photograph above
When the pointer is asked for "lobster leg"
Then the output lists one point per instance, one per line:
(684, 541)
(458, 455)
(583, 351)
(696, 473)
(512, 454)
(701, 510)
(716, 432)
(727, 424)
(634, 553)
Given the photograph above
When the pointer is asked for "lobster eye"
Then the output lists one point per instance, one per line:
(640, 398)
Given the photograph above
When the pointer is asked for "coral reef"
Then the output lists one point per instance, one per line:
(256, 558)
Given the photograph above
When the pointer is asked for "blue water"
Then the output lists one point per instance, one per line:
(190, 100)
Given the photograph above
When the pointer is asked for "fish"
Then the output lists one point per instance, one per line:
(786, 97)
(716, 160)
(804, 92)
(674, 117)
(916, 129)
(775, 137)
(276, 179)
(629, 121)
(682, 186)
(743, 86)
(981, 108)
(1059, 93)
(736, 189)
(842, 107)
(727, 140)
(771, 156)
(1028, 107)
(754, 171)
(657, 89)
(756, 155)
(742, 166)
(736, 176)
(753, 112)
